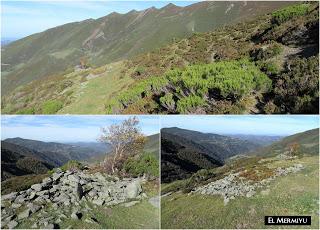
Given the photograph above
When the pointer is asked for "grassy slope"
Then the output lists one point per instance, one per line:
(295, 194)
(90, 99)
(308, 141)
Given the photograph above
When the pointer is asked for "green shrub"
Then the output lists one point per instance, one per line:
(168, 102)
(289, 12)
(72, 165)
(270, 68)
(193, 87)
(267, 51)
(189, 104)
(147, 164)
(51, 107)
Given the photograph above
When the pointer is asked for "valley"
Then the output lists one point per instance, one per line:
(160, 76)
(275, 179)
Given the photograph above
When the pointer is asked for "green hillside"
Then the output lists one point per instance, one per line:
(197, 74)
(112, 38)
(308, 142)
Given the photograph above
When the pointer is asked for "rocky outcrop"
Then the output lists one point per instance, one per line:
(234, 185)
(65, 190)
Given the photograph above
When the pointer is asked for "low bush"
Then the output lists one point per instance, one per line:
(72, 165)
(297, 88)
(186, 90)
(145, 164)
(287, 13)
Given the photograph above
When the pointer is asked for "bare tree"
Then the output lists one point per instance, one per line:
(126, 140)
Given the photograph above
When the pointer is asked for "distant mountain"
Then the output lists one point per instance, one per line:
(184, 152)
(308, 141)
(7, 41)
(153, 144)
(116, 36)
(56, 153)
(18, 161)
(260, 140)
(96, 146)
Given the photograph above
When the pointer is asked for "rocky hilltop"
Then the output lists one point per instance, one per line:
(69, 195)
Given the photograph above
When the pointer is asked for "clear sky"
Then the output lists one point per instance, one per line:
(22, 18)
(281, 125)
(67, 128)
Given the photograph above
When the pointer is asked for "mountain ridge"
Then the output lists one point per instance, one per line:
(111, 38)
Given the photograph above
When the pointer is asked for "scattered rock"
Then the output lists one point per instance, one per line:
(234, 185)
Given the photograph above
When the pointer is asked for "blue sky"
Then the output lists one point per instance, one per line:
(67, 128)
(281, 125)
(22, 18)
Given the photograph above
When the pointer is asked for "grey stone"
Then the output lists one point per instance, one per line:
(74, 178)
(49, 226)
(155, 201)
(9, 196)
(37, 187)
(22, 215)
(133, 189)
(12, 224)
(131, 203)
(98, 202)
(79, 191)
(15, 205)
(33, 207)
(56, 176)
(32, 195)
(92, 193)
(76, 215)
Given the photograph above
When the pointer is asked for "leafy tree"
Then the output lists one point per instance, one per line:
(126, 141)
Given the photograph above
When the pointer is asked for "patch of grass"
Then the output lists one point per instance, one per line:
(140, 216)
(51, 107)
(91, 98)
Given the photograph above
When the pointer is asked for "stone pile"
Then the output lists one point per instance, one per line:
(67, 190)
(234, 185)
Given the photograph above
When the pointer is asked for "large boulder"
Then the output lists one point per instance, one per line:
(37, 187)
(10, 196)
(133, 189)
